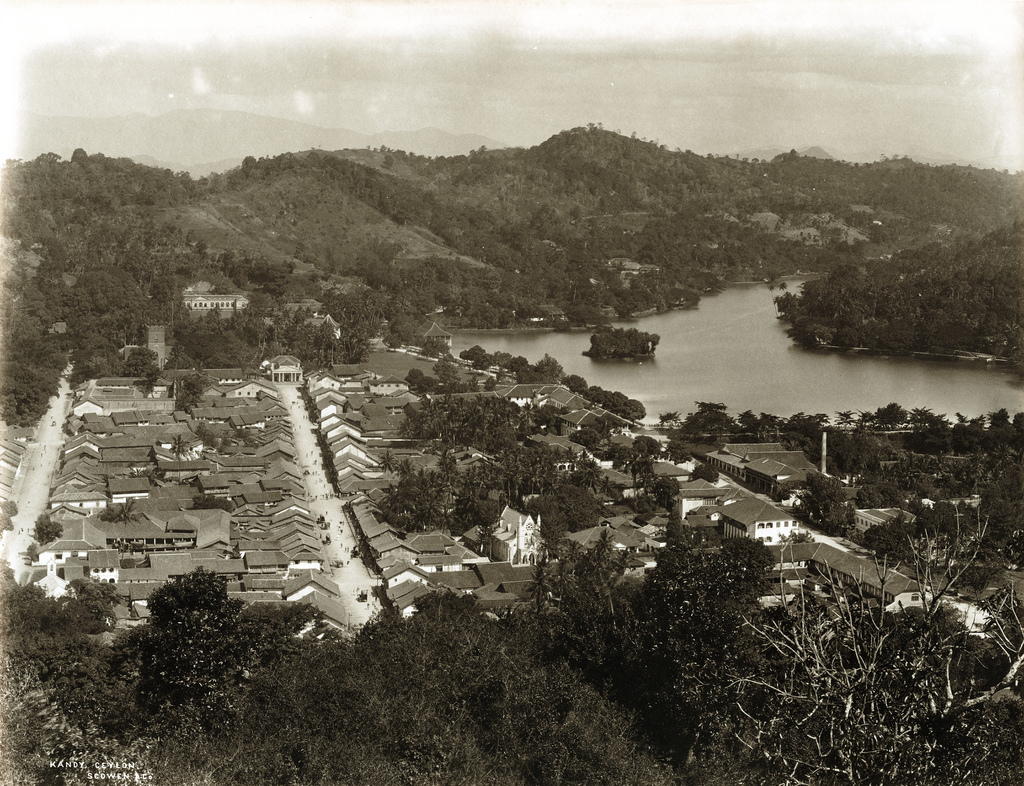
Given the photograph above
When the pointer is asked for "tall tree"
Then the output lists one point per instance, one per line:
(195, 650)
(824, 499)
(856, 694)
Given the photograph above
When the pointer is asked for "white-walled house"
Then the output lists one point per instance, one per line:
(756, 519)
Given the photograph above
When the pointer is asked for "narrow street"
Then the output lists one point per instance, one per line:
(352, 577)
(32, 488)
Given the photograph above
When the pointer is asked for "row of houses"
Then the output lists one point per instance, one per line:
(415, 564)
(12, 452)
(259, 533)
(764, 465)
(844, 575)
(349, 405)
(505, 584)
(575, 411)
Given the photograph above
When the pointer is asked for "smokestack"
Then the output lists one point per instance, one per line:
(824, 435)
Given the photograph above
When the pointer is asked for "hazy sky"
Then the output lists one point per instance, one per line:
(858, 78)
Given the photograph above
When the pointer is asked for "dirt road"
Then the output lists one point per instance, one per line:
(32, 487)
(353, 577)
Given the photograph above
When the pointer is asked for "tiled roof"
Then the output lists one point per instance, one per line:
(436, 330)
(752, 510)
(497, 572)
(329, 607)
(457, 579)
(103, 559)
(263, 559)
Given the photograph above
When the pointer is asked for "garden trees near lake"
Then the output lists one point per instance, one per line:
(610, 342)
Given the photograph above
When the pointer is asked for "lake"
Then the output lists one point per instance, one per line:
(732, 349)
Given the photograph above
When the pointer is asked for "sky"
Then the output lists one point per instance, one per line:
(859, 78)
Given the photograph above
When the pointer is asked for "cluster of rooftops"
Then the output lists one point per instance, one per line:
(236, 449)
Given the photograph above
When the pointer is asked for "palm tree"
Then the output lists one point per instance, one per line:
(510, 466)
(602, 564)
(571, 554)
(540, 587)
(124, 514)
(865, 420)
(179, 447)
(388, 462)
(642, 469)
(404, 468)
(845, 418)
(589, 474)
(526, 418)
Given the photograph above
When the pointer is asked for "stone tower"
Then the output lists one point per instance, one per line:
(156, 341)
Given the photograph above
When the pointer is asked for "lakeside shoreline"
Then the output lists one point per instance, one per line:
(650, 312)
(937, 357)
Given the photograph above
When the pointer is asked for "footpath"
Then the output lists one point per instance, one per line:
(31, 489)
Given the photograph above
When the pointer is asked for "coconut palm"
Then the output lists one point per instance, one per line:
(588, 474)
(603, 568)
(124, 514)
(542, 584)
(565, 578)
(404, 468)
(179, 447)
(388, 462)
(641, 467)
(845, 419)
(865, 420)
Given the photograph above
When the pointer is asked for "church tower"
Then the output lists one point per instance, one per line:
(156, 341)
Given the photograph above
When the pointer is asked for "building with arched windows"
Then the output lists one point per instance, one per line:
(204, 303)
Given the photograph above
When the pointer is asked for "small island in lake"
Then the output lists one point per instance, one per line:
(610, 342)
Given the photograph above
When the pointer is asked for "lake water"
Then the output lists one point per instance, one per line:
(732, 349)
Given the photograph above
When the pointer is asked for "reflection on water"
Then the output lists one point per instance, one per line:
(733, 350)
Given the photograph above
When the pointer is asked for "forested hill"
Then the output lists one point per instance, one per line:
(589, 223)
(934, 299)
(602, 171)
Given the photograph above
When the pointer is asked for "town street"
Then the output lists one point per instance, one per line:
(352, 577)
(32, 487)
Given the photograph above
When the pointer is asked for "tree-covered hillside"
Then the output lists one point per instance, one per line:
(589, 223)
(966, 297)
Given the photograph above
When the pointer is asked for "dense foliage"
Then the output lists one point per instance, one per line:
(622, 343)
(601, 676)
(932, 299)
(101, 247)
(599, 679)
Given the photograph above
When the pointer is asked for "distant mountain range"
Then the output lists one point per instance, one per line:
(920, 155)
(203, 141)
(768, 153)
